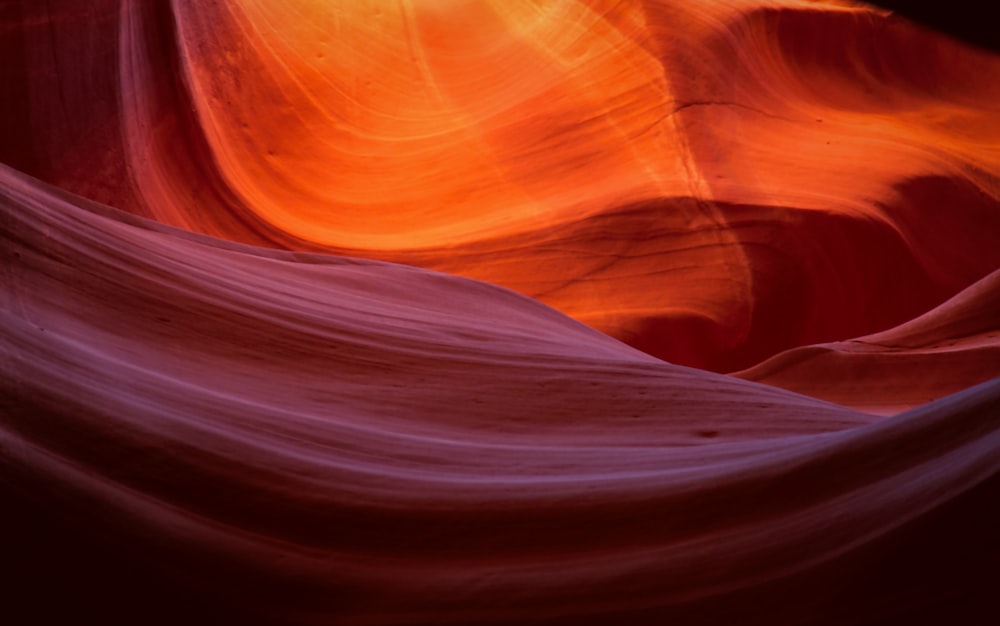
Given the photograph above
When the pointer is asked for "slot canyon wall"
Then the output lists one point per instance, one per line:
(498, 312)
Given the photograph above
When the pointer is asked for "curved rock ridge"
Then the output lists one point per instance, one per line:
(420, 312)
(479, 138)
(294, 438)
(941, 352)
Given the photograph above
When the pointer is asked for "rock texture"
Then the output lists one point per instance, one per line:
(422, 312)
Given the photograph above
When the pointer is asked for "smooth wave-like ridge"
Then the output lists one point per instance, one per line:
(819, 157)
(421, 312)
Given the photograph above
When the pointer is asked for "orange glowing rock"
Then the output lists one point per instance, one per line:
(710, 182)
(410, 125)
(362, 312)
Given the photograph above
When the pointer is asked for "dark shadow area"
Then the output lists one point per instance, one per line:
(971, 21)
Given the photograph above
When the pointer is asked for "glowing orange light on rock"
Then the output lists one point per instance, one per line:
(407, 124)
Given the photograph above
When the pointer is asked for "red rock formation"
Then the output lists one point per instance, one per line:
(642, 169)
(313, 313)
(936, 354)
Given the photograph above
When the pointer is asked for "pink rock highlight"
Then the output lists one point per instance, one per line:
(486, 312)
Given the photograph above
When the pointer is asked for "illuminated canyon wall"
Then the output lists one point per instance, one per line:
(497, 312)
